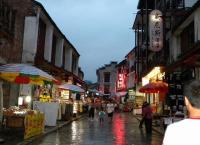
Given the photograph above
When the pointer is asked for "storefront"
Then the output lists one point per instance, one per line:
(72, 99)
(155, 89)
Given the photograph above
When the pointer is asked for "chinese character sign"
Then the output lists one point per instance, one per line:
(156, 30)
(121, 81)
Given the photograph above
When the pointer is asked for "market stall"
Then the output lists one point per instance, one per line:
(30, 121)
(71, 99)
(22, 116)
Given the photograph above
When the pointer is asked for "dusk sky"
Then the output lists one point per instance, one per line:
(100, 30)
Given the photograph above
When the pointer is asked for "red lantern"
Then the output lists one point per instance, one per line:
(22, 80)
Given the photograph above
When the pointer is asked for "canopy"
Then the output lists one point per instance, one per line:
(24, 74)
(96, 92)
(71, 87)
(118, 94)
(154, 87)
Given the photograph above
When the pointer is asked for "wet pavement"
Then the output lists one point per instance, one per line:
(123, 130)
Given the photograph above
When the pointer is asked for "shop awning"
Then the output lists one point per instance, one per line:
(96, 92)
(71, 87)
(155, 87)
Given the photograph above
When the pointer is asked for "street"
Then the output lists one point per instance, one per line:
(123, 130)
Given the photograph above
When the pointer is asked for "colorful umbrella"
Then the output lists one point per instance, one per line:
(71, 87)
(24, 74)
(154, 87)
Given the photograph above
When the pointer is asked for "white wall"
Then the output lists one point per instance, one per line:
(197, 24)
(59, 52)
(30, 39)
(77, 64)
(113, 78)
(175, 47)
(68, 59)
(48, 42)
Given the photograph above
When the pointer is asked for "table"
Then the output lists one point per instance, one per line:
(50, 110)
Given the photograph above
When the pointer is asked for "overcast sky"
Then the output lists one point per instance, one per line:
(100, 30)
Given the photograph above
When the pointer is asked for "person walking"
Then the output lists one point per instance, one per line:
(142, 120)
(147, 115)
(101, 116)
(186, 131)
(110, 107)
(91, 110)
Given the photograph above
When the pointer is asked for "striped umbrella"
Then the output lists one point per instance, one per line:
(24, 74)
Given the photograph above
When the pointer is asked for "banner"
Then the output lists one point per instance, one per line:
(155, 30)
(34, 125)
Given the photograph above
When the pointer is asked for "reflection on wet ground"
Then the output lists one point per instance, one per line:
(123, 130)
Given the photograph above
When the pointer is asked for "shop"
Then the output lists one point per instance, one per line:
(155, 89)
(72, 100)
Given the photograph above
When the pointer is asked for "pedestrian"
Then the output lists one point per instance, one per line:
(103, 105)
(147, 115)
(142, 120)
(101, 116)
(110, 107)
(91, 110)
(186, 131)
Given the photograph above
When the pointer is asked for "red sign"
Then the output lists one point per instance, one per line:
(121, 82)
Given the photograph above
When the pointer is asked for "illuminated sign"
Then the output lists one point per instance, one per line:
(156, 30)
(121, 81)
(155, 74)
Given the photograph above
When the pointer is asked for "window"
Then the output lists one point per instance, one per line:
(106, 89)
(41, 39)
(107, 77)
(187, 38)
(54, 41)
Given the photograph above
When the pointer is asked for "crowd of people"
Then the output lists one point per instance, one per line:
(107, 107)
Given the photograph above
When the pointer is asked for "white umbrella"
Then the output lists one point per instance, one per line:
(71, 87)
(96, 92)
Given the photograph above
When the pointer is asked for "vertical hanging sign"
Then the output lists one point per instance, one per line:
(156, 30)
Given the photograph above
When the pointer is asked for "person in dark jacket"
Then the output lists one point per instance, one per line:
(142, 120)
(147, 115)
(91, 110)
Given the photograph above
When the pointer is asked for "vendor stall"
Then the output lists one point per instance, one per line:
(71, 99)
(50, 110)
(30, 121)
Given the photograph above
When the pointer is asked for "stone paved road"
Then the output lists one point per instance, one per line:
(123, 130)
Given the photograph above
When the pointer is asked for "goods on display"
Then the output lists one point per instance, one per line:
(31, 121)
